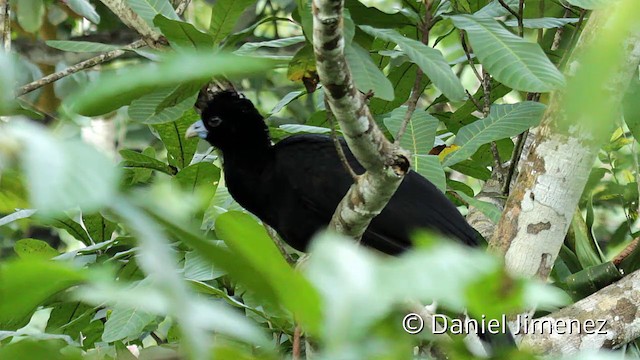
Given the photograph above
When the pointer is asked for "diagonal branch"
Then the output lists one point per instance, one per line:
(385, 163)
(89, 63)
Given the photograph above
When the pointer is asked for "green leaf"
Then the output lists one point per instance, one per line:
(27, 284)
(586, 250)
(198, 268)
(81, 46)
(7, 82)
(286, 100)
(591, 4)
(489, 210)
(543, 23)
(430, 167)
(495, 9)
(503, 121)
(61, 173)
(69, 225)
(429, 59)
(182, 35)
(134, 159)
(30, 14)
(247, 238)
(224, 16)
(84, 9)
(631, 106)
(250, 48)
(202, 176)
(365, 15)
(145, 109)
(149, 9)
(99, 228)
(113, 90)
(402, 79)
(179, 149)
(366, 74)
(591, 279)
(125, 323)
(32, 249)
(517, 63)
(20, 214)
(420, 133)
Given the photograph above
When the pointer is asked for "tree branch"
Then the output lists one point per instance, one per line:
(133, 21)
(89, 63)
(539, 209)
(385, 163)
(617, 306)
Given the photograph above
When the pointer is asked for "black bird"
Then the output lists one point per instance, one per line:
(295, 185)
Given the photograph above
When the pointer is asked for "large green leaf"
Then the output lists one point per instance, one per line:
(495, 9)
(115, 89)
(149, 9)
(420, 132)
(402, 79)
(33, 249)
(26, 284)
(125, 323)
(429, 59)
(224, 15)
(179, 149)
(61, 173)
(251, 47)
(366, 74)
(430, 167)
(146, 108)
(85, 9)
(503, 121)
(134, 159)
(99, 228)
(182, 35)
(250, 240)
(30, 14)
(517, 63)
(543, 23)
(81, 46)
(591, 4)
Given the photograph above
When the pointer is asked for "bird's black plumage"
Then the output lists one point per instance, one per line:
(295, 185)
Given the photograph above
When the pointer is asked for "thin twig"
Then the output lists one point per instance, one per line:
(486, 109)
(295, 352)
(96, 60)
(557, 38)
(517, 151)
(279, 244)
(5, 24)
(474, 101)
(337, 144)
(415, 92)
(504, 5)
(86, 64)
(520, 18)
(182, 6)
(626, 252)
(463, 41)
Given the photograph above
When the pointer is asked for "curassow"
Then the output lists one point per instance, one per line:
(295, 185)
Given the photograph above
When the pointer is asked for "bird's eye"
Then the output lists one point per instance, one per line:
(214, 121)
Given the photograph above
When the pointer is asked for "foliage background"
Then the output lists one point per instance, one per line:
(132, 241)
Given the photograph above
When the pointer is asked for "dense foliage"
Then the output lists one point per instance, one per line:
(136, 246)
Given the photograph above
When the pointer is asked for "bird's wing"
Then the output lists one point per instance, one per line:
(314, 172)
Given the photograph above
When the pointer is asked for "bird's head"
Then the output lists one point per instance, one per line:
(229, 120)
